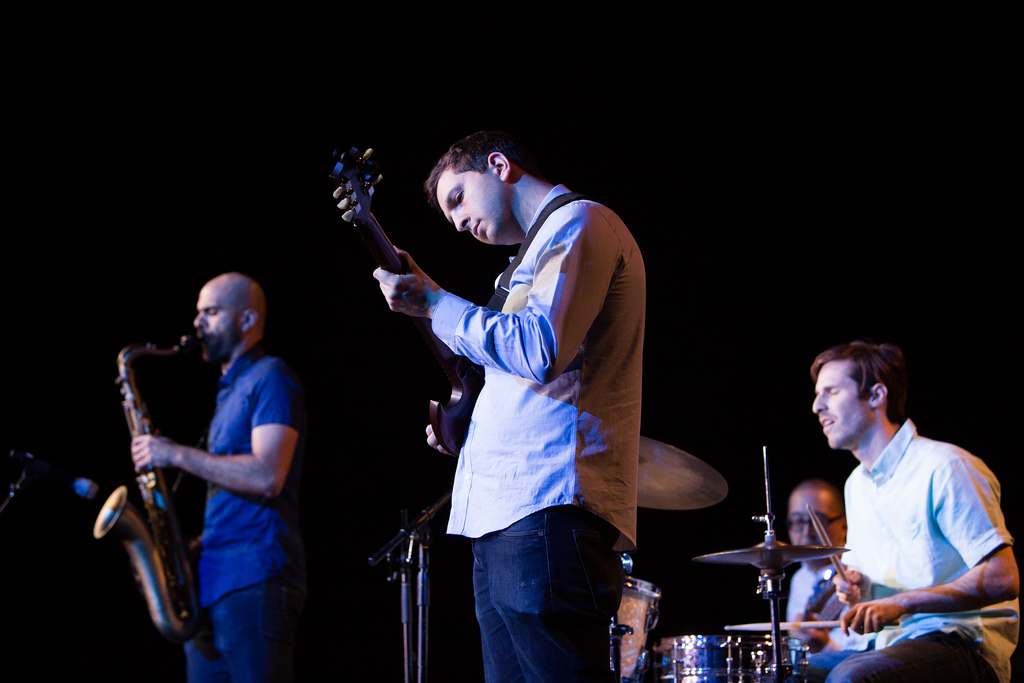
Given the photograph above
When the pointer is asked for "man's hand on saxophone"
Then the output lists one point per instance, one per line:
(150, 450)
(262, 472)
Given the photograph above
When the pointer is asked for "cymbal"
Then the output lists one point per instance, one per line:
(670, 479)
(772, 555)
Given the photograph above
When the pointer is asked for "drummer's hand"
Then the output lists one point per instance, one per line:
(873, 616)
(434, 443)
(851, 592)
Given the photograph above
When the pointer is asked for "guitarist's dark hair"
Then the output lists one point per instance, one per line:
(470, 154)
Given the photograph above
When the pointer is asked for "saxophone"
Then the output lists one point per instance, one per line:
(155, 549)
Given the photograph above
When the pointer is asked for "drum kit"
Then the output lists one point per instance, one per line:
(670, 479)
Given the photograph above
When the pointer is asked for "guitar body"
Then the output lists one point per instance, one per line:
(451, 421)
(824, 604)
(354, 176)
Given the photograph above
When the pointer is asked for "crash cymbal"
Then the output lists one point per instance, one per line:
(772, 555)
(670, 479)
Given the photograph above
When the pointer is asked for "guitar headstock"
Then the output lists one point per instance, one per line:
(354, 176)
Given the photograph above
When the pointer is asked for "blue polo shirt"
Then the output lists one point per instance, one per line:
(249, 538)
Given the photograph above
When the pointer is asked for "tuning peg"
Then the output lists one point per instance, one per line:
(343, 204)
(338, 191)
(367, 154)
(347, 216)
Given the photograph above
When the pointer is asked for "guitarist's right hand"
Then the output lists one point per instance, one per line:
(412, 292)
(433, 442)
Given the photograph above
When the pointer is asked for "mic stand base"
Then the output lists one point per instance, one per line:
(416, 534)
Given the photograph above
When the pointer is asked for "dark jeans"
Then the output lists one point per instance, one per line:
(932, 658)
(250, 636)
(546, 590)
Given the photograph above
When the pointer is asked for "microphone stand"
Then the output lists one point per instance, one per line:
(29, 474)
(410, 535)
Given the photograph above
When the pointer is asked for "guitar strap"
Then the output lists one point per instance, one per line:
(501, 292)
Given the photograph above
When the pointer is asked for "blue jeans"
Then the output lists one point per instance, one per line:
(546, 590)
(249, 636)
(932, 658)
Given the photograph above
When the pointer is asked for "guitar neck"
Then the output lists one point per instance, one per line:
(386, 255)
(379, 245)
(354, 177)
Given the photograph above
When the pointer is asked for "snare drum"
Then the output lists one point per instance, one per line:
(727, 659)
(639, 611)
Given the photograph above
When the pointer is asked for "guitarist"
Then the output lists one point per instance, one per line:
(546, 480)
(812, 595)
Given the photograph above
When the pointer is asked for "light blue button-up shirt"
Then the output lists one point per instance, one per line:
(558, 419)
(923, 515)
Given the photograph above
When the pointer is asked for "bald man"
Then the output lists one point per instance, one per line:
(252, 576)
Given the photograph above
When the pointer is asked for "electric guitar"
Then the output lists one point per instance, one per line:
(354, 177)
(824, 603)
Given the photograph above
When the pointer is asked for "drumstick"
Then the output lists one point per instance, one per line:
(823, 539)
(785, 626)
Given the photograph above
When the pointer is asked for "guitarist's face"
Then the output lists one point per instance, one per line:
(480, 203)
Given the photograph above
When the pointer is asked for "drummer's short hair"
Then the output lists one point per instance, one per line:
(872, 364)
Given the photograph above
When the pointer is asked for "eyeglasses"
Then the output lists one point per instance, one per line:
(803, 521)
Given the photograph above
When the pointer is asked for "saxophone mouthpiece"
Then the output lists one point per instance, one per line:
(187, 343)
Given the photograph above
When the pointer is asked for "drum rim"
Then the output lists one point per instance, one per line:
(641, 586)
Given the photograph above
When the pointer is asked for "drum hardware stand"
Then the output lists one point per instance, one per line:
(407, 539)
(771, 557)
(617, 630)
(769, 583)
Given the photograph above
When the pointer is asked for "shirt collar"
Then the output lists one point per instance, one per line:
(241, 364)
(891, 456)
(556, 191)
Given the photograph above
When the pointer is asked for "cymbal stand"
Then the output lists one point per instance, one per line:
(407, 539)
(770, 581)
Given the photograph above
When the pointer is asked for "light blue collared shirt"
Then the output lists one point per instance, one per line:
(558, 419)
(925, 514)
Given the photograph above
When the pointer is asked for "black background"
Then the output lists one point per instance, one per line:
(795, 180)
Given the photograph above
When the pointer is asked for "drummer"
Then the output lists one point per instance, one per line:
(933, 578)
(812, 595)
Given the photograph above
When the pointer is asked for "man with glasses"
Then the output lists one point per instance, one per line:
(812, 595)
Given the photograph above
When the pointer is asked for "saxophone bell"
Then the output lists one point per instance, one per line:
(173, 619)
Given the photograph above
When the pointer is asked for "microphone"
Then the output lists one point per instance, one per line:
(36, 469)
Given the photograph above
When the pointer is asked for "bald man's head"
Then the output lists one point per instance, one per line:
(241, 293)
(230, 317)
